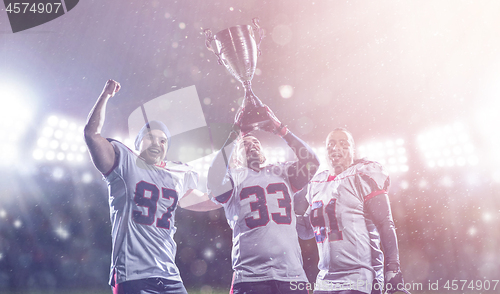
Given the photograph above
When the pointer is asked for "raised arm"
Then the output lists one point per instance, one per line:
(302, 171)
(219, 184)
(101, 151)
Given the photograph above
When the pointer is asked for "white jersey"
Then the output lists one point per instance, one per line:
(265, 241)
(348, 243)
(142, 201)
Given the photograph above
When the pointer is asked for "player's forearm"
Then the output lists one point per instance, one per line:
(300, 204)
(379, 212)
(101, 151)
(304, 227)
(302, 171)
(304, 152)
(196, 200)
(97, 115)
(217, 182)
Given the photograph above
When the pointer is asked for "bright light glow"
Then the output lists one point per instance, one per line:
(63, 124)
(390, 153)
(472, 231)
(422, 184)
(208, 254)
(461, 161)
(15, 115)
(286, 91)
(129, 143)
(61, 136)
(473, 160)
(47, 132)
(42, 142)
(58, 173)
(50, 155)
(60, 156)
(447, 181)
(487, 217)
(54, 144)
(62, 233)
(447, 146)
(58, 134)
(87, 178)
(52, 120)
(17, 223)
(274, 155)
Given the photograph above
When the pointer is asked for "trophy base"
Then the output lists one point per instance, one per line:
(255, 119)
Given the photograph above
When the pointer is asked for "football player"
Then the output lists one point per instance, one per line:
(258, 203)
(143, 194)
(348, 214)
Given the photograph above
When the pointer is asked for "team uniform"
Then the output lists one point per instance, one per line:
(142, 200)
(348, 242)
(266, 255)
(259, 211)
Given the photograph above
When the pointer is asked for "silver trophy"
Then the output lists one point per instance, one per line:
(237, 50)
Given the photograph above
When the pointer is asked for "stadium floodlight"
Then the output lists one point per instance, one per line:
(60, 139)
(391, 154)
(275, 154)
(447, 146)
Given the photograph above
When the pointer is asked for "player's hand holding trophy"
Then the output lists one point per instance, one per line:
(237, 50)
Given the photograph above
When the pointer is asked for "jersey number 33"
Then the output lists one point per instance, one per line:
(275, 192)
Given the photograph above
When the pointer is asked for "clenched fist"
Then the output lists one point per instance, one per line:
(111, 88)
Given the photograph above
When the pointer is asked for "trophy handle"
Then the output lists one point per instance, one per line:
(261, 32)
(208, 42)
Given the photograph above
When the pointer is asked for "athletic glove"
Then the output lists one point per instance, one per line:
(275, 126)
(394, 282)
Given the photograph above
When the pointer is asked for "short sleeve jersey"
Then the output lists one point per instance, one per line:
(347, 243)
(142, 201)
(259, 211)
